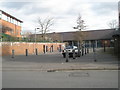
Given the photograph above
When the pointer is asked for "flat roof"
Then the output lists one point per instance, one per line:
(11, 16)
(100, 34)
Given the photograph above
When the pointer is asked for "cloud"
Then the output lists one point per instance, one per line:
(103, 8)
(14, 5)
(64, 12)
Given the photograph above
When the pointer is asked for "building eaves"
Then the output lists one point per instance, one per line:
(3, 12)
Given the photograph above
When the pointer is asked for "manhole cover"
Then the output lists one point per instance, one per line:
(79, 74)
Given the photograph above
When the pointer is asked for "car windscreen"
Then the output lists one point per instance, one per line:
(69, 47)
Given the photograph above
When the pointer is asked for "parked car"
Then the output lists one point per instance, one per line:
(70, 51)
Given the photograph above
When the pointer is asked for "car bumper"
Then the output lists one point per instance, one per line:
(70, 54)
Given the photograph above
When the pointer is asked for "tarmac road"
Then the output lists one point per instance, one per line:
(64, 79)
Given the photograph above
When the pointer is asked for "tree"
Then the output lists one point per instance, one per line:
(79, 36)
(27, 36)
(45, 26)
(80, 23)
(113, 24)
(55, 37)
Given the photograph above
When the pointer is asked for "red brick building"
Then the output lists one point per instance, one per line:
(10, 24)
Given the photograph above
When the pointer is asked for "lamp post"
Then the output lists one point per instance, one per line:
(35, 33)
(35, 41)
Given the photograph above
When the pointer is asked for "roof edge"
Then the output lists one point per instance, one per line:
(3, 12)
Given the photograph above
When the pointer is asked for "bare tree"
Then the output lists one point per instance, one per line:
(27, 34)
(113, 24)
(56, 37)
(79, 36)
(80, 23)
(45, 26)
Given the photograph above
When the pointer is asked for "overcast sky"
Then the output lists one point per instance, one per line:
(96, 14)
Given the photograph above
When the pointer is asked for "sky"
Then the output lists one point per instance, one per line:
(96, 14)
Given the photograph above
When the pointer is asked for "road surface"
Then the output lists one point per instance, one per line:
(63, 79)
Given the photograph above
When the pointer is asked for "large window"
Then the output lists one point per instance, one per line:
(19, 23)
(4, 17)
(8, 19)
(15, 22)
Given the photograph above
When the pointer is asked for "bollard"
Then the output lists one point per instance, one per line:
(74, 54)
(50, 50)
(104, 48)
(79, 52)
(67, 56)
(82, 52)
(26, 52)
(44, 49)
(36, 51)
(13, 53)
(95, 60)
(87, 50)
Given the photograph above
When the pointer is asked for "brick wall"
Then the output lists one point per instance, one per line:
(20, 47)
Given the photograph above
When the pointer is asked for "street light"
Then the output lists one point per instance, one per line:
(35, 33)
(35, 50)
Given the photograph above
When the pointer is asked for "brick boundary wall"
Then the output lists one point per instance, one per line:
(20, 47)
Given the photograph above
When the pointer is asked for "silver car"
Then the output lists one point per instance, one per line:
(70, 51)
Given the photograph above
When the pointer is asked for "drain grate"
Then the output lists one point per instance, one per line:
(79, 74)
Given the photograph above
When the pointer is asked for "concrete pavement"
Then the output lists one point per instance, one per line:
(55, 62)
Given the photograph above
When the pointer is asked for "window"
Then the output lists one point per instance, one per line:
(11, 20)
(8, 19)
(15, 22)
(4, 17)
(18, 23)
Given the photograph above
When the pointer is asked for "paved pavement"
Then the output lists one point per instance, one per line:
(55, 61)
